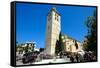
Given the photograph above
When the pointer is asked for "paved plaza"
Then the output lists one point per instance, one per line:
(46, 61)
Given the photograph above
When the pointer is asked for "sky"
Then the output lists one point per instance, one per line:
(31, 22)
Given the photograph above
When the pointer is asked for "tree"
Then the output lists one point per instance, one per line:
(26, 49)
(57, 47)
(59, 44)
(76, 45)
(91, 37)
(85, 47)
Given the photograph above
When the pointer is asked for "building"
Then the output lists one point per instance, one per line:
(70, 44)
(22, 48)
(52, 31)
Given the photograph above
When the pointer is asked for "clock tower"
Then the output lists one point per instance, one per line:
(53, 28)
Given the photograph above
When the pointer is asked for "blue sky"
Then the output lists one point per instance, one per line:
(31, 22)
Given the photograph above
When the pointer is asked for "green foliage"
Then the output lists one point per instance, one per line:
(76, 45)
(59, 45)
(91, 42)
(26, 49)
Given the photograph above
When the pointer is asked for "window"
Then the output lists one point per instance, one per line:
(57, 18)
(49, 17)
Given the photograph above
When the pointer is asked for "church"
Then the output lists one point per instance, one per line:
(53, 29)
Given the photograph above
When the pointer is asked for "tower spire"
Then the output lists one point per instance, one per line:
(54, 8)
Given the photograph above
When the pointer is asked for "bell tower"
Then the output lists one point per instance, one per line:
(53, 28)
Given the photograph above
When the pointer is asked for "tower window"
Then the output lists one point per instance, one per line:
(57, 18)
(49, 17)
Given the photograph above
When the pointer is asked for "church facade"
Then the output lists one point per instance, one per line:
(71, 45)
